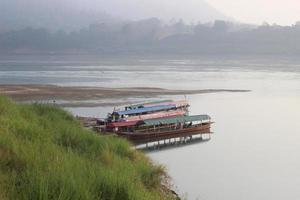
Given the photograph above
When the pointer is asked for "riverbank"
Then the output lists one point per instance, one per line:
(90, 96)
(46, 154)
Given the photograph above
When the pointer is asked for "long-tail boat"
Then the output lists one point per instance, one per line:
(148, 112)
(131, 121)
(177, 104)
(165, 128)
(154, 121)
(180, 103)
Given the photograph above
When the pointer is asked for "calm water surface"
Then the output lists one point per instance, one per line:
(255, 150)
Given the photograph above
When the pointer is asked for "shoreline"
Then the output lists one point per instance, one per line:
(88, 96)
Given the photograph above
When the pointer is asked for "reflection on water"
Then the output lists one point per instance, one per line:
(255, 149)
(254, 153)
(172, 143)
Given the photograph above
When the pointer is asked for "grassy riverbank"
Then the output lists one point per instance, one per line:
(45, 154)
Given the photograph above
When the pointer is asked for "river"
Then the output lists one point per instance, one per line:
(255, 149)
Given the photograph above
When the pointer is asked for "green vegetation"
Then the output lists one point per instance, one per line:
(45, 154)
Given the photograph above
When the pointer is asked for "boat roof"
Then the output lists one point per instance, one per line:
(152, 102)
(175, 120)
(146, 109)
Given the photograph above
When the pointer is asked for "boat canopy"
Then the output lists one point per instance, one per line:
(123, 124)
(145, 110)
(175, 120)
(149, 103)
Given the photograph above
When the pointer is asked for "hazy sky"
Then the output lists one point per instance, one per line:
(188, 10)
(284, 12)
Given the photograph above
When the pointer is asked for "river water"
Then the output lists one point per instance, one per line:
(254, 152)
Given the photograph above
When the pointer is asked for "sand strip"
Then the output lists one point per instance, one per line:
(64, 93)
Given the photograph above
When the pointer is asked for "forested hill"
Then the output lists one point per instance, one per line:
(155, 37)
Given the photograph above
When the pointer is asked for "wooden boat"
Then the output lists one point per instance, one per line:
(131, 121)
(149, 112)
(148, 104)
(156, 115)
(121, 115)
(177, 104)
(166, 128)
(140, 138)
(155, 121)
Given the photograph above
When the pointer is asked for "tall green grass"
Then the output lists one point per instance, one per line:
(45, 154)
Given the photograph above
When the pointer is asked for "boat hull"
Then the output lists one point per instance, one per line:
(142, 138)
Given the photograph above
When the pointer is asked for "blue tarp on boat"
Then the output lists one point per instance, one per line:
(143, 110)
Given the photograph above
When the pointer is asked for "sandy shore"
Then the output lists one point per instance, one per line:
(51, 92)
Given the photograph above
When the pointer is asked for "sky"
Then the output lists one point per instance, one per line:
(188, 10)
(283, 12)
(62, 13)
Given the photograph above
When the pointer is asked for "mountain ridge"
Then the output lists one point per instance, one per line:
(74, 15)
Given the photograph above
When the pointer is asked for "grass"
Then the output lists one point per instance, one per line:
(46, 154)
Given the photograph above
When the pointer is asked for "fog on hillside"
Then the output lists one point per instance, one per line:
(153, 36)
(76, 14)
(135, 26)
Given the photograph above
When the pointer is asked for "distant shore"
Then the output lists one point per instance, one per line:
(65, 93)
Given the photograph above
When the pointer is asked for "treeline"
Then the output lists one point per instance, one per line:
(153, 36)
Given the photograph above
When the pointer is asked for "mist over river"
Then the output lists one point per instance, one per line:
(255, 149)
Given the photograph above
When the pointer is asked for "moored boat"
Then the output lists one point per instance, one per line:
(178, 104)
(131, 121)
(143, 123)
(165, 128)
(149, 111)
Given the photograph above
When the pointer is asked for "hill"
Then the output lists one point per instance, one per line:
(153, 37)
(71, 15)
